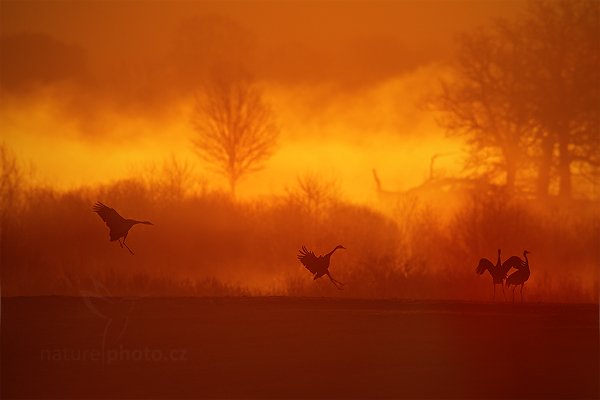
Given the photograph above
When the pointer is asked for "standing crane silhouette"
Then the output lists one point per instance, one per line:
(520, 276)
(319, 266)
(119, 226)
(498, 271)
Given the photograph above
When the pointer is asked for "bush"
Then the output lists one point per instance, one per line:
(203, 243)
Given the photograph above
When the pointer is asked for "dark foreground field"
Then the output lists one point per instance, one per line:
(280, 347)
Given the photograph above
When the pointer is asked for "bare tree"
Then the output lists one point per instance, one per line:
(235, 128)
(482, 102)
(563, 77)
(314, 193)
(11, 194)
(525, 92)
(172, 180)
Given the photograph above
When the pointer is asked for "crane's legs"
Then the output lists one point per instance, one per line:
(125, 244)
(503, 292)
(514, 287)
(132, 253)
(521, 292)
(336, 283)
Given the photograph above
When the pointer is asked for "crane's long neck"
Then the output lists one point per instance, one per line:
(331, 252)
(135, 221)
(526, 260)
(498, 263)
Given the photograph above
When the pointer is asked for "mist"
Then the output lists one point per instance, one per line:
(300, 199)
(98, 100)
(111, 76)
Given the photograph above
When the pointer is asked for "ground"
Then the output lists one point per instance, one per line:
(67, 347)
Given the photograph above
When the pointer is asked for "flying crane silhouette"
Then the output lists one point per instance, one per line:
(119, 226)
(498, 271)
(319, 266)
(520, 276)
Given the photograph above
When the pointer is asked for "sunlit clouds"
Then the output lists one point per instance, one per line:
(345, 135)
(108, 88)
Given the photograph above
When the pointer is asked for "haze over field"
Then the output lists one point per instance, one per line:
(378, 133)
(300, 199)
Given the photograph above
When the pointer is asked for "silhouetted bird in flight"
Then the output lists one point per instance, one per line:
(521, 275)
(319, 266)
(498, 271)
(119, 226)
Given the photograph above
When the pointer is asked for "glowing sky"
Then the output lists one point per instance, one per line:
(94, 91)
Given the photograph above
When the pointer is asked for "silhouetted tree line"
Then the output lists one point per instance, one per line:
(525, 93)
(205, 243)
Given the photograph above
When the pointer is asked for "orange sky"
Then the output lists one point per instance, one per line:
(104, 88)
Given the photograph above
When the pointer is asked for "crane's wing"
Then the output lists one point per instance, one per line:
(514, 278)
(513, 262)
(484, 264)
(108, 215)
(308, 259)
